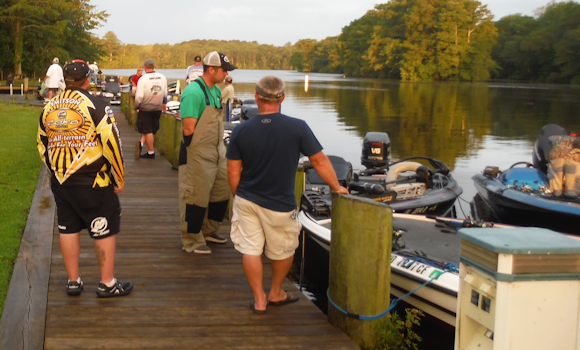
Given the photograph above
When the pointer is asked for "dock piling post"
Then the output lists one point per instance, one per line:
(360, 265)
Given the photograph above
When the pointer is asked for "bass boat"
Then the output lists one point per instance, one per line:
(522, 195)
(406, 185)
(410, 268)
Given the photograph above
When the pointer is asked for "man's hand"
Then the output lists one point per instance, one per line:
(324, 168)
(341, 190)
(118, 189)
(164, 108)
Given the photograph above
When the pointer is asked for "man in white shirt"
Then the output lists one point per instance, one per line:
(53, 76)
(227, 94)
(195, 71)
(94, 70)
(150, 101)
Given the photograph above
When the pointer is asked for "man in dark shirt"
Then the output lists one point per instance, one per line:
(262, 160)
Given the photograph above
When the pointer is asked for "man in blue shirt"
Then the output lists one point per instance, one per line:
(262, 159)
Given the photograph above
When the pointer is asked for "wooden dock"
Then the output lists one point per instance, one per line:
(180, 300)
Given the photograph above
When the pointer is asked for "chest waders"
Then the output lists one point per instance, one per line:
(204, 192)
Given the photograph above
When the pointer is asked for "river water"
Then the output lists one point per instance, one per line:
(466, 125)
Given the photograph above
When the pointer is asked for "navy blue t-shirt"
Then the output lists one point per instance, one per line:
(269, 147)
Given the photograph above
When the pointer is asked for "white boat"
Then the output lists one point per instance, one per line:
(411, 268)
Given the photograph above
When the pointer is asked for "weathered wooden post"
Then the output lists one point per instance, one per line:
(360, 265)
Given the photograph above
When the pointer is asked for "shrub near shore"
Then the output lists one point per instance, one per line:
(19, 169)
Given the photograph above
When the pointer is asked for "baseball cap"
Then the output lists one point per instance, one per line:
(55, 60)
(149, 63)
(228, 78)
(216, 59)
(197, 59)
(76, 70)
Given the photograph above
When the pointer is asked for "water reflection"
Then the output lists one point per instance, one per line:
(447, 121)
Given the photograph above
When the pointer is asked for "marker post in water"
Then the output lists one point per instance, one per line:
(306, 83)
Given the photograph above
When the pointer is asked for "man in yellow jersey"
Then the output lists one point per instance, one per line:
(79, 142)
(203, 188)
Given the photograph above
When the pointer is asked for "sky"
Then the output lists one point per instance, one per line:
(273, 22)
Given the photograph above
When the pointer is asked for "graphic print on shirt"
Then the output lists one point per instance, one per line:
(72, 138)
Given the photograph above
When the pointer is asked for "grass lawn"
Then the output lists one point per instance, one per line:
(19, 168)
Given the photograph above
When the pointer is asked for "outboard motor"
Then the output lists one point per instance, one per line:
(376, 151)
(249, 112)
(543, 145)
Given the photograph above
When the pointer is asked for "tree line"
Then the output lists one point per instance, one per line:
(415, 40)
(543, 48)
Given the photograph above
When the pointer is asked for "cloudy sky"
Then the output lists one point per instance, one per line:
(267, 22)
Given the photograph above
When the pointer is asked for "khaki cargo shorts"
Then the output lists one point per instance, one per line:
(256, 229)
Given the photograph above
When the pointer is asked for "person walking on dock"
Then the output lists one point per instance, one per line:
(135, 79)
(94, 71)
(262, 159)
(227, 94)
(203, 185)
(150, 101)
(79, 142)
(194, 71)
(52, 78)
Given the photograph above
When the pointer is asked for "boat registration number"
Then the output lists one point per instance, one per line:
(410, 264)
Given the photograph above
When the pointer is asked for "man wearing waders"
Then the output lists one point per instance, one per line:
(203, 188)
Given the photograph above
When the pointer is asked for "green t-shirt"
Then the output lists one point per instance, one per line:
(193, 99)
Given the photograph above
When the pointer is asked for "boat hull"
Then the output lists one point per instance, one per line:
(438, 299)
(514, 207)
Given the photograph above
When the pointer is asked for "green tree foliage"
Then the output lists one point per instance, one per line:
(243, 54)
(431, 40)
(40, 30)
(354, 41)
(544, 48)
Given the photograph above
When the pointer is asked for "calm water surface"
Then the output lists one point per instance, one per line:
(466, 125)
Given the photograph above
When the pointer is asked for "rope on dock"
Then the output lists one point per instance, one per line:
(449, 267)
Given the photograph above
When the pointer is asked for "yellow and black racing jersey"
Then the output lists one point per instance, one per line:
(79, 141)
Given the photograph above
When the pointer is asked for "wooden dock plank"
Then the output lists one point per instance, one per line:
(23, 319)
(180, 300)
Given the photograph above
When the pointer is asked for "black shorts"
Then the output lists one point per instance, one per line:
(96, 209)
(148, 122)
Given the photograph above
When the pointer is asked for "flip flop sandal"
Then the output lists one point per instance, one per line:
(290, 298)
(256, 311)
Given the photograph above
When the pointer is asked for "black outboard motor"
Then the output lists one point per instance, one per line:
(376, 150)
(542, 146)
(248, 112)
(249, 109)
